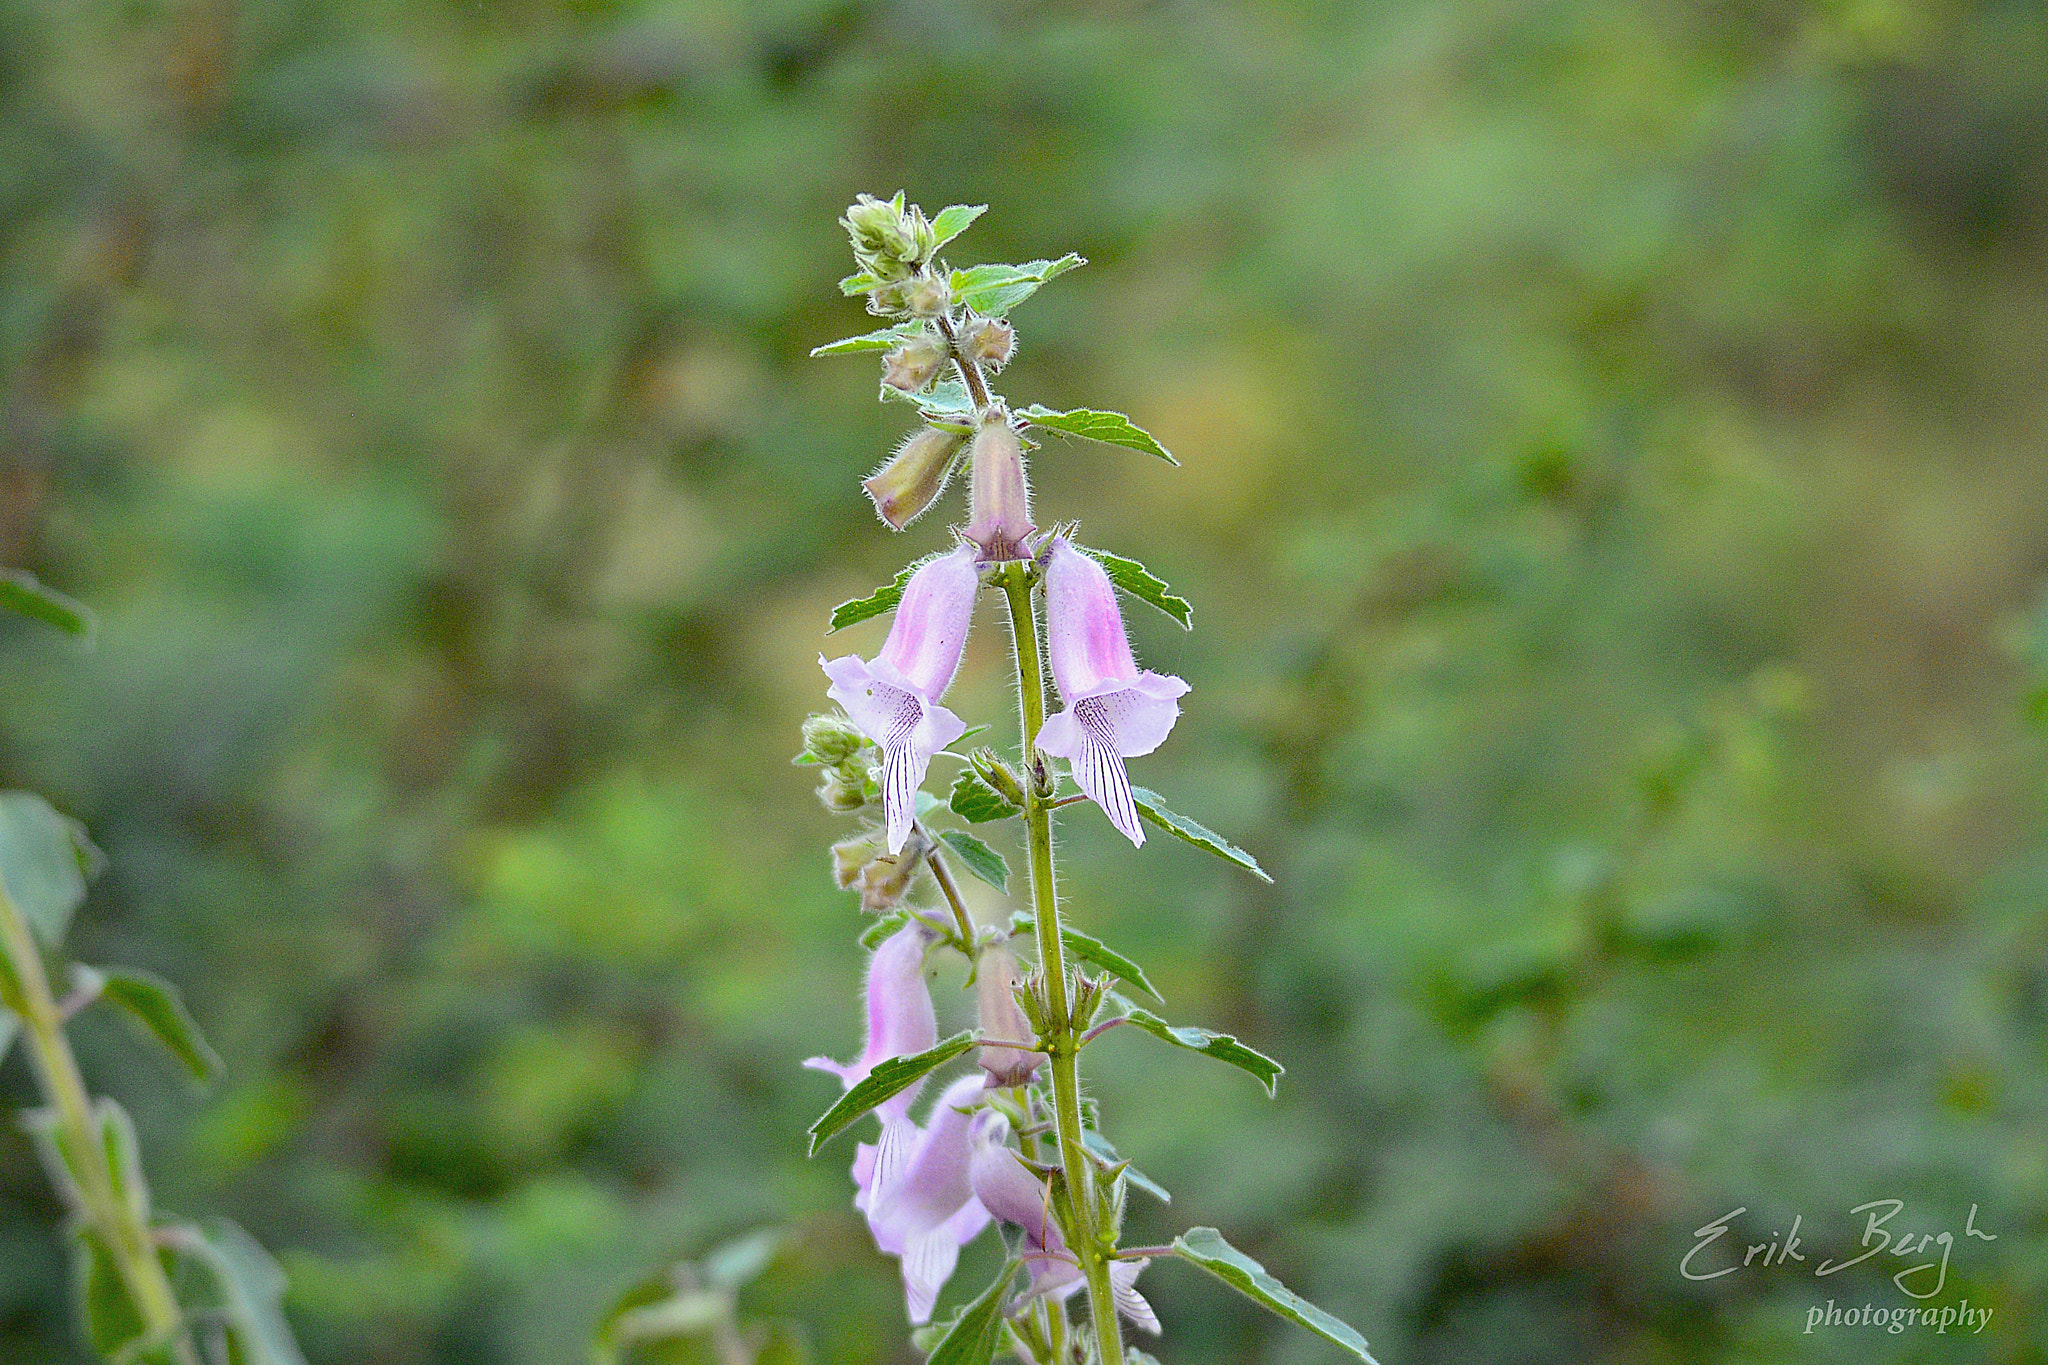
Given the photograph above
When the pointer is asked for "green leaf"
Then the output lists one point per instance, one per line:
(124, 1156)
(66, 1165)
(156, 1005)
(858, 284)
(251, 1289)
(1209, 1043)
(9, 1026)
(1092, 951)
(44, 862)
(974, 1333)
(1180, 827)
(883, 928)
(946, 398)
(1099, 1145)
(21, 592)
(112, 1323)
(1206, 1248)
(993, 290)
(734, 1263)
(953, 220)
(887, 1080)
(983, 861)
(1139, 581)
(882, 340)
(1111, 428)
(976, 802)
(874, 604)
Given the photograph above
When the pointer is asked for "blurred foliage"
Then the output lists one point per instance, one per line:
(1614, 509)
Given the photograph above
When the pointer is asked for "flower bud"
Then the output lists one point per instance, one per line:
(1031, 998)
(988, 342)
(832, 739)
(888, 242)
(840, 796)
(989, 767)
(914, 364)
(913, 479)
(1088, 994)
(848, 859)
(927, 296)
(1000, 1016)
(886, 879)
(999, 499)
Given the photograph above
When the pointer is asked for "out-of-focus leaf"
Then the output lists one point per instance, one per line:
(978, 858)
(732, 1264)
(45, 859)
(251, 1290)
(1111, 428)
(1221, 1046)
(1141, 583)
(993, 290)
(954, 220)
(976, 802)
(156, 1005)
(887, 1079)
(21, 592)
(1206, 1248)
(110, 1319)
(1180, 827)
(1092, 951)
(882, 339)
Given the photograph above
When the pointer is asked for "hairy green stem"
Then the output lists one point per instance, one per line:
(1090, 1245)
(943, 875)
(127, 1237)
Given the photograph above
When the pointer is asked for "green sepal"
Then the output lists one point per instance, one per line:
(1180, 827)
(954, 220)
(1141, 583)
(154, 1004)
(1206, 1248)
(1111, 428)
(1221, 1046)
(978, 858)
(976, 802)
(21, 592)
(1093, 951)
(1100, 1145)
(888, 1079)
(882, 339)
(993, 290)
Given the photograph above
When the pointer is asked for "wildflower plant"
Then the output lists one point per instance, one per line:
(1013, 1143)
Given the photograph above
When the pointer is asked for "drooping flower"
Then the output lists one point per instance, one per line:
(1113, 711)
(1000, 1016)
(998, 498)
(900, 1017)
(915, 1191)
(914, 477)
(895, 699)
(1009, 1191)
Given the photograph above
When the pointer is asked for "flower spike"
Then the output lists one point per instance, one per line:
(895, 699)
(1113, 710)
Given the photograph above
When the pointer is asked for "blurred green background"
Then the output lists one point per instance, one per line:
(1615, 508)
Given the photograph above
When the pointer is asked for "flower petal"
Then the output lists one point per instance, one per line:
(1123, 1283)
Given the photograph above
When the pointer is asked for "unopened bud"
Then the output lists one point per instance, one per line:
(1001, 1016)
(842, 797)
(1088, 995)
(927, 296)
(914, 364)
(888, 242)
(990, 768)
(832, 739)
(848, 859)
(999, 499)
(1031, 998)
(913, 479)
(886, 880)
(988, 342)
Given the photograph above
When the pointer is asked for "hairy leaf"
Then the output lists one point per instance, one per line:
(1222, 1046)
(993, 290)
(975, 1332)
(1206, 1248)
(983, 861)
(1180, 827)
(887, 1080)
(1140, 582)
(874, 604)
(954, 220)
(883, 339)
(1100, 1145)
(44, 862)
(1111, 428)
(976, 802)
(252, 1292)
(1092, 951)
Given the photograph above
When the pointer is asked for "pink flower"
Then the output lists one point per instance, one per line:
(900, 1017)
(998, 497)
(1009, 1191)
(895, 699)
(915, 1191)
(1113, 710)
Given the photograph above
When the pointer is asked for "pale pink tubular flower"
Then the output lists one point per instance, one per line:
(998, 494)
(1012, 1193)
(1113, 711)
(915, 1191)
(895, 699)
(900, 1017)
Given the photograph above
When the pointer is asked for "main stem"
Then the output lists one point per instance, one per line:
(1089, 1244)
(126, 1236)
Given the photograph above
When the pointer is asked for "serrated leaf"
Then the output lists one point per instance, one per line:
(1099, 1145)
(888, 1079)
(1092, 951)
(156, 1005)
(976, 802)
(975, 1332)
(983, 861)
(1180, 827)
(874, 604)
(1141, 583)
(953, 220)
(252, 1292)
(1206, 1248)
(883, 339)
(22, 592)
(1111, 428)
(1221, 1046)
(44, 861)
(993, 290)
